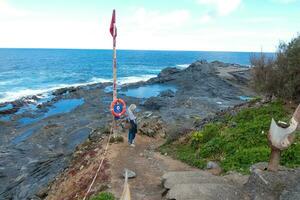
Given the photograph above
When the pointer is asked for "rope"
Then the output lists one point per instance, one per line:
(100, 165)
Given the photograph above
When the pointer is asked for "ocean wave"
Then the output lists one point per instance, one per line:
(134, 79)
(45, 92)
(12, 96)
(183, 66)
(2, 83)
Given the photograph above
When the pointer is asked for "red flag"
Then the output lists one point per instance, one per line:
(113, 29)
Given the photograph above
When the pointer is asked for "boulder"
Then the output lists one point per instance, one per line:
(168, 71)
(291, 193)
(154, 103)
(130, 173)
(171, 179)
(263, 184)
(200, 185)
(62, 91)
(214, 168)
(212, 165)
(151, 126)
(167, 93)
(205, 191)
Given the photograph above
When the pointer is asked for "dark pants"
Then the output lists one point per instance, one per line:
(132, 132)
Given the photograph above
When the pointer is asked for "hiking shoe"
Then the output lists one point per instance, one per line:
(132, 145)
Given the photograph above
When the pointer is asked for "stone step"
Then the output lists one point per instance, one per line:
(171, 179)
(205, 191)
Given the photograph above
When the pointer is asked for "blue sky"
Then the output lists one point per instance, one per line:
(213, 25)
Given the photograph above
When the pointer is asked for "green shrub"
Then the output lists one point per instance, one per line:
(291, 156)
(242, 159)
(117, 139)
(209, 131)
(236, 143)
(279, 76)
(212, 149)
(185, 153)
(103, 196)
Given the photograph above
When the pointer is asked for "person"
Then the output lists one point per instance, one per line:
(133, 124)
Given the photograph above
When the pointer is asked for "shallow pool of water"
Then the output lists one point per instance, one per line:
(6, 107)
(245, 98)
(148, 91)
(23, 136)
(5, 118)
(60, 107)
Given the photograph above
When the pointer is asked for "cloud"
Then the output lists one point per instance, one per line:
(221, 7)
(152, 29)
(8, 11)
(285, 1)
(152, 20)
(262, 20)
(205, 19)
(138, 28)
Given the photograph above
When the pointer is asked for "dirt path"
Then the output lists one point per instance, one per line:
(148, 165)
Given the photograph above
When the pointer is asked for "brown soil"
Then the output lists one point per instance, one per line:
(74, 181)
(148, 164)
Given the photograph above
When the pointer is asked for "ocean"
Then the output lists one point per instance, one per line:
(25, 72)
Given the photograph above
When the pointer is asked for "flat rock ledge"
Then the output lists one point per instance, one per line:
(260, 185)
(201, 185)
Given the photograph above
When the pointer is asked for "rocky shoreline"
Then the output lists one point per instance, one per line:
(38, 137)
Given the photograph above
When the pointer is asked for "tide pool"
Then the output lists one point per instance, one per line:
(148, 91)
(60, 107)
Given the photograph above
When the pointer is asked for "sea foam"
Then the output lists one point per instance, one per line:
(45, 92)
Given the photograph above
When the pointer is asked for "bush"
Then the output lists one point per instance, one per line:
(209, 131)
(236, 143)
(103, 196)
(279, 76)
(244, 158)
(184, 153)
(117, 139)
(291, 156)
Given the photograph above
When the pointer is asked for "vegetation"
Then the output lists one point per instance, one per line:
(103, 196)
(279, 76)
(237, 142)
(117, 139)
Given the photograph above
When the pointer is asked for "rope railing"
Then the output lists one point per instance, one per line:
(100, 165)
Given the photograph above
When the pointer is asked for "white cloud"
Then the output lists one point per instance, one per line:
(205, 19)
(221, 7)
(6, 10)
(138, 29)
(262, 20)
(285, 1)
(151, 20)
(151, 29)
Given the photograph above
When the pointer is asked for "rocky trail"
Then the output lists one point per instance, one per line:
(148, 164)
(159, 177)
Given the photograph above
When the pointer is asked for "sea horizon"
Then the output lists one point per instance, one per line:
(121, 49)
(32, 71)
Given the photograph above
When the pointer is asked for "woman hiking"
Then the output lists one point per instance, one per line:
(133, 125)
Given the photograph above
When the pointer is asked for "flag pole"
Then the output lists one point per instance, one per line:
(114, 69)
(113, 31)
